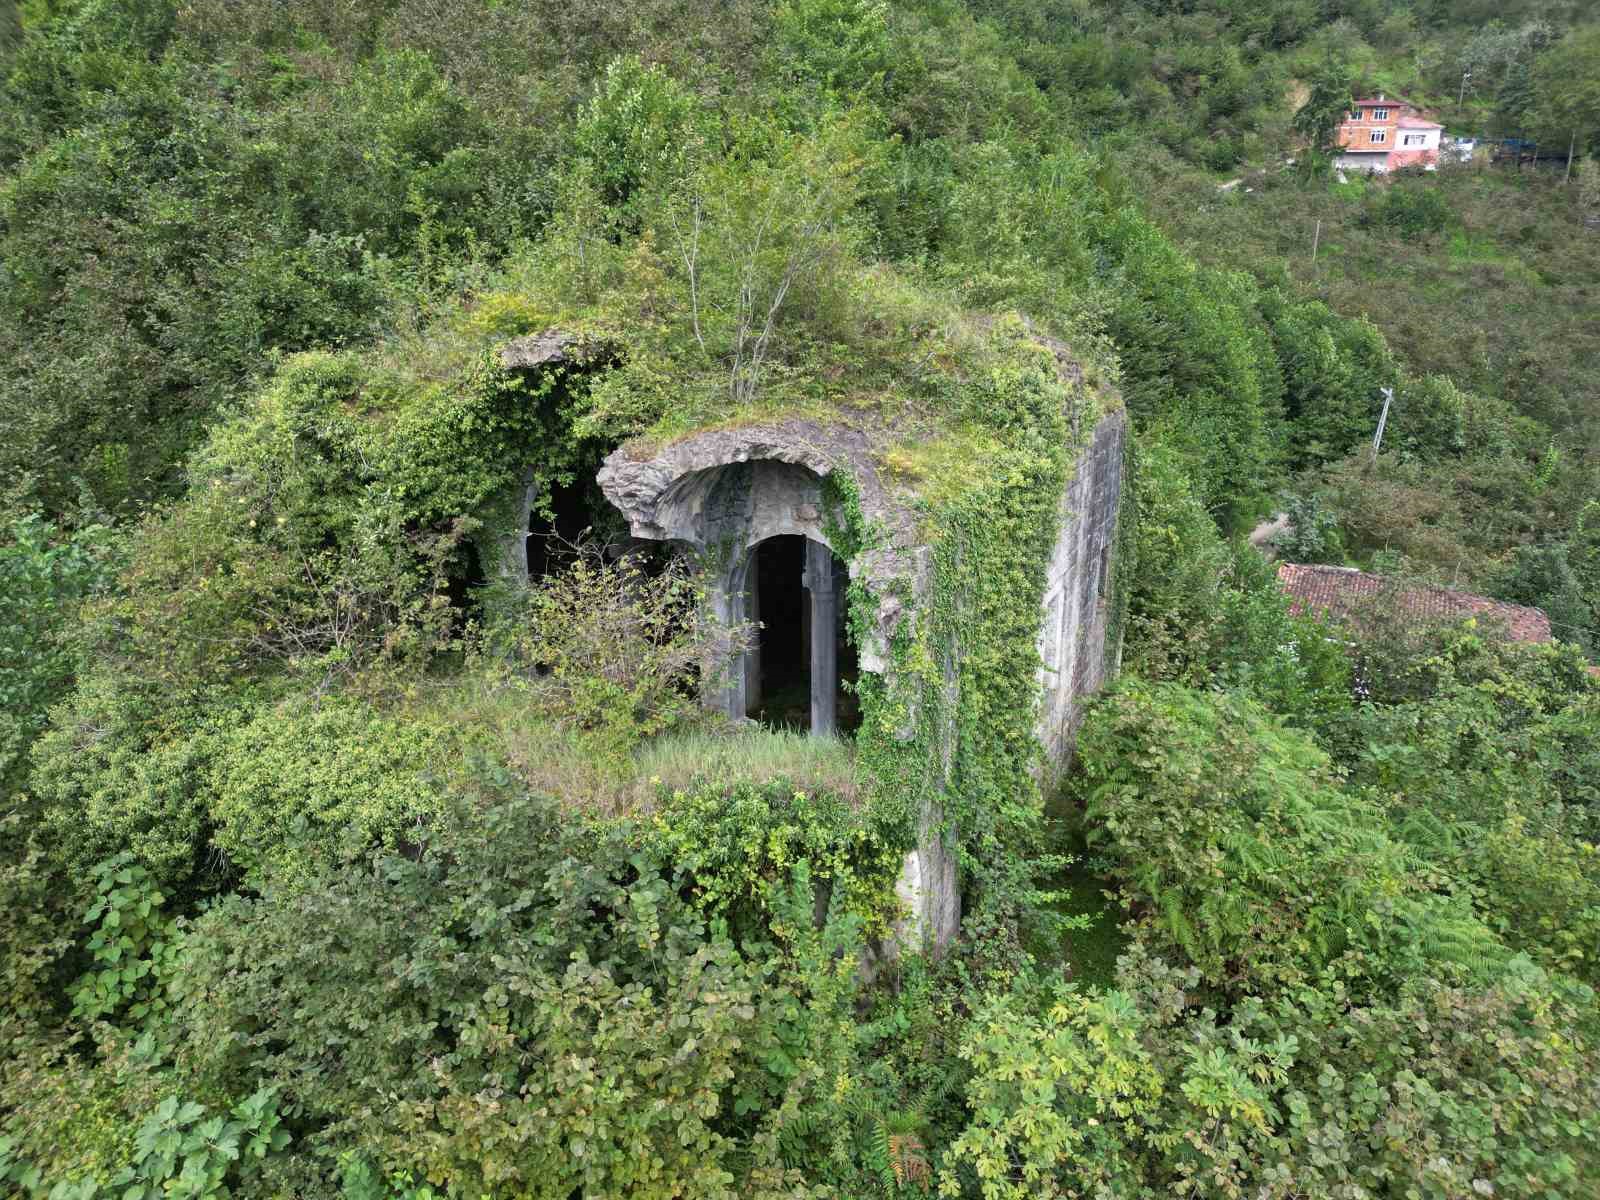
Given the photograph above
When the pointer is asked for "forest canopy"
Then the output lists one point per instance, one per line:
(333, 865)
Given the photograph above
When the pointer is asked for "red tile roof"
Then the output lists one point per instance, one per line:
(1344, 593)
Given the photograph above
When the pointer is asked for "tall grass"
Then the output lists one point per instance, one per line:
(560, 762)
(751, 753)
(554, 761)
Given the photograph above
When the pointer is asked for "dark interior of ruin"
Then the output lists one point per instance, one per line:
(783, 608)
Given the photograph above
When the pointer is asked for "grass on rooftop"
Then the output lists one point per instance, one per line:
(562, 762)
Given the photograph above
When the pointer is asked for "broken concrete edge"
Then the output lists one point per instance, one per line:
(668, 497)
(555, 348)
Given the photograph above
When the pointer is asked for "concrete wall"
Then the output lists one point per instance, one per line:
(1077, 592)
(1075, 661)
(1374, 164)
(721, 514)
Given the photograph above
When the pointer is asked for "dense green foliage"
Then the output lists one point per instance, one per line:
(333, 864)
(44, 573)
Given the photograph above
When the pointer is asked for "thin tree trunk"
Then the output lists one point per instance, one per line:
(1571, 145)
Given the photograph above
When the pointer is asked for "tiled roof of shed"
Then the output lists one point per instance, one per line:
(1344, 593)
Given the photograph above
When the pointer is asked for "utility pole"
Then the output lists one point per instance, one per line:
(1383, 419)
(1465, 76)
(1315, 238)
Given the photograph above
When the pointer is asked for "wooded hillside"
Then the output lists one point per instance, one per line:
(331, 865)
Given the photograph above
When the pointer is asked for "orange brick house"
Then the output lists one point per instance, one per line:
(1384, 134)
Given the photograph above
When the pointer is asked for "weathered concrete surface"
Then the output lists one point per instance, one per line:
(1077, 589)
(722, 492)
(552, 348)
(824, 640)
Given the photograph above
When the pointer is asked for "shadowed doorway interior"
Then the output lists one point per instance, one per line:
(800, 676)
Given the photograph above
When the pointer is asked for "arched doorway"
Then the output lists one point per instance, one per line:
(555, 527)
(800, 671)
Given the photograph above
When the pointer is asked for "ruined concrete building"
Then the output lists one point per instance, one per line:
(757, 507)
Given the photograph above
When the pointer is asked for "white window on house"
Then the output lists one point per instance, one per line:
(1380, 114)
(1414, 139)
(1379, 135)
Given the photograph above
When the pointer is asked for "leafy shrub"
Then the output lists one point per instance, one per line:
(298, 782)
(831, 48)
(737, 845)
(1538, 885)
(38, 907)
(165, 237)
(520, 958)
(325, 523)
(771, 274)
(122, 769)
(184, 1152)
(179, 1150)
(1241, 853)
(1419, 1089)
(196, 794)
(1413, 210)
(134, 946)
(1287, 664)
(618, 652)
(1403, 507)
(1236, 845)
(1334, 370)
(1194, 367)
(1443, 1091)
(1312, 535)
(273, 560)
(1178, 559)
(44, 573)
(637, 135)
(68, 1121)
(1429, 418)
(1059, 1101)
(1485, 753)
(1543, 576)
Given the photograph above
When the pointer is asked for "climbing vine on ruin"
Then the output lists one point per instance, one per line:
(956, 725)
